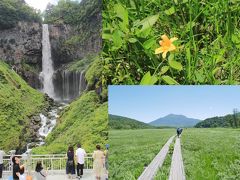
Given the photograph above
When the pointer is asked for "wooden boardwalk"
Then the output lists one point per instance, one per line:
(152, 169)
(177, 167)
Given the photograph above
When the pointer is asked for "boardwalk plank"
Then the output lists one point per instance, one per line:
(151, 170)
(177, 167)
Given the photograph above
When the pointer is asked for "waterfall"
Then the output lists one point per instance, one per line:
(47, 64)
(73, 84)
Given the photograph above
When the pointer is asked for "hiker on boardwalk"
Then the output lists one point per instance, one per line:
(106, 160)
(98, 162)
(41, 174)
(80, 154)
(70, 166)
(16, 167)
(179, 131)
(2, 153)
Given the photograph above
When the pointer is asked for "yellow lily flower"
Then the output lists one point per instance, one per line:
(166, 45)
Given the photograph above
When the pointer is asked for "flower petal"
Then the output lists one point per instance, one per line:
(164, 37)
(158, 50)
(172, 47)
(164, 54)
(173, 39)
(161, 43)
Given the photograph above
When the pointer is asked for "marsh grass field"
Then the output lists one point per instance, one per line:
(209, 154)
(132, 149)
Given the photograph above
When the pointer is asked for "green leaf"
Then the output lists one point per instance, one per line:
(164, 69)
(132, 40)
(121, 12)
(117, 40)
(170, 11)
(175, 65)
(149, 43)
(171, 57)
(169, 80)
(148, 79)
(106, 36)
(148, 22)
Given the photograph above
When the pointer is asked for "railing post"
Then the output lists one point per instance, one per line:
(12, 153)
(29, 161)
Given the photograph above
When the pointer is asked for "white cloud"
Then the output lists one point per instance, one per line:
(40, 4)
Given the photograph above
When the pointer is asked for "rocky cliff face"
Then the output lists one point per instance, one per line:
(21, 47)
(69, 44)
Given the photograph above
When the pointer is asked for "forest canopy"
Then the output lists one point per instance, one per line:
(13, 11)
(70, 11)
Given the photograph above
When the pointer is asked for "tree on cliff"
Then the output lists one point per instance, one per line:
(12, 11)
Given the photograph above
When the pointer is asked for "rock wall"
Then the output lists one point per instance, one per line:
(22, 48)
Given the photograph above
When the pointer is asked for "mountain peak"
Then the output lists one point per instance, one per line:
(175, 120)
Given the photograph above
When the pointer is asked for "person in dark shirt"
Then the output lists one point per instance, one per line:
(179, 131)
(70, 168)
(16, 167)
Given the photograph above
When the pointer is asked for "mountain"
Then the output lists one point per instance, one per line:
(174, 120)
(120, 122)
(223, 121)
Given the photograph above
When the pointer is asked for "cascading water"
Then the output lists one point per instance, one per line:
(47, 64)
(73, 84)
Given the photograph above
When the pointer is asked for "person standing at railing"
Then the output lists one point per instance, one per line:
(16, 167)
(70, 166)
(2, 153)
(41, 174)
(106, 160)
(80, 154)
(98, 162)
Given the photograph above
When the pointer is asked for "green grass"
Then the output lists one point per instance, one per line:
(18, 102)
(208, 44)
(211, 154)
(131, 149)
(85, 121)
(163, 173)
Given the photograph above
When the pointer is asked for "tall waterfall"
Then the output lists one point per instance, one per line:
(47, 64)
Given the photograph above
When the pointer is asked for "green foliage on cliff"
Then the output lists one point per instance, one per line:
(12, 11)
(82, 64)
(94, 72)
(71, 12)
(18, 101)
(85, 121)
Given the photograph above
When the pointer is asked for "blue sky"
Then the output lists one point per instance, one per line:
(147, 103)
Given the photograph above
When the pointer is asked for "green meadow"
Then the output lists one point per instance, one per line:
(209, 154)
(132, 149)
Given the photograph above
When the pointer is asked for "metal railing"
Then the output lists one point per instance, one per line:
(51, 162)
